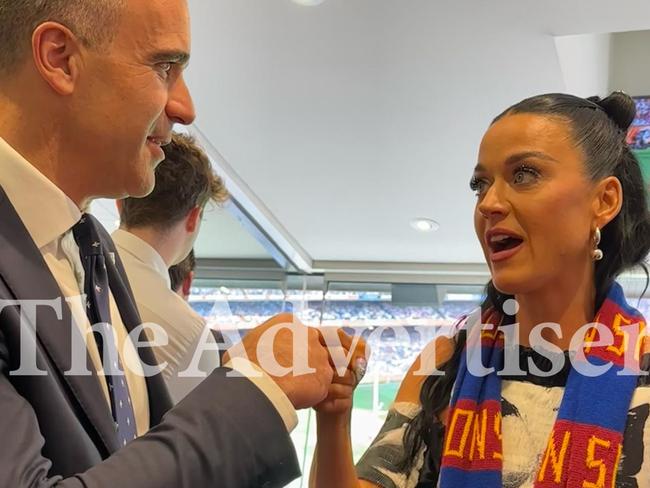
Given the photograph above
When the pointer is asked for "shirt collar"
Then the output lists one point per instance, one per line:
(142, 251)
(45, 210)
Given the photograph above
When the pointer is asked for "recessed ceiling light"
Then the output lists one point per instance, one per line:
(308, 3)
(425, 225)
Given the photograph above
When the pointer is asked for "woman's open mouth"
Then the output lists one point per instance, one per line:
(503, 245)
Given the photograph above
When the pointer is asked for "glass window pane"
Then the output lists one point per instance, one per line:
(396, 320)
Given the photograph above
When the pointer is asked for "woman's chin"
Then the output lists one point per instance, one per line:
(508, 283)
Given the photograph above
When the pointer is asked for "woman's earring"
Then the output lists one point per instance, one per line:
(597, 254)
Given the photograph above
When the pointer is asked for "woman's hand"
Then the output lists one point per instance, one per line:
(347, 374)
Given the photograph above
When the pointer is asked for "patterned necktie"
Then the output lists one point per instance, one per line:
(97, 290)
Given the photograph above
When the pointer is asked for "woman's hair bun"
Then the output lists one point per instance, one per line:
(619, 107)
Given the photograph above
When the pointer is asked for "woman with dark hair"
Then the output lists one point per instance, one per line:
(561, 211)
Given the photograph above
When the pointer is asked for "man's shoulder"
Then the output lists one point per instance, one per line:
(157, 302)
(118, 239)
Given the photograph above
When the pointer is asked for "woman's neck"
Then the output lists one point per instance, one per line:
(569, 302)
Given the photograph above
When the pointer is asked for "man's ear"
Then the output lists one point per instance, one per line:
(193, 219)
(608, 200)
(57, 56)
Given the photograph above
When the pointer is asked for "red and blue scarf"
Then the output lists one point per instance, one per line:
(584, 447)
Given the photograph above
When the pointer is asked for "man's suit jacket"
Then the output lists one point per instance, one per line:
(57, 429)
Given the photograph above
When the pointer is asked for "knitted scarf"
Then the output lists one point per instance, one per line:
(584, 447)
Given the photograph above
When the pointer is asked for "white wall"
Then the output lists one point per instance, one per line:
(585, 63)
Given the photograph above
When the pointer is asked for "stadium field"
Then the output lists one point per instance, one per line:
(363, 396)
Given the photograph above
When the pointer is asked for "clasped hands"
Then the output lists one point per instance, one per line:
(317, 368)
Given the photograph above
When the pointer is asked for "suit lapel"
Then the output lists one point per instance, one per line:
(27, 276)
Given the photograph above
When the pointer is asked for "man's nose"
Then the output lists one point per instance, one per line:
(180, 107)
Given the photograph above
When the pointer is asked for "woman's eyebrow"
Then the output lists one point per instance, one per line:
(517, 157)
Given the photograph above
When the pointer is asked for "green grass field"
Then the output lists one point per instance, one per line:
(365, 425)
(363, 395)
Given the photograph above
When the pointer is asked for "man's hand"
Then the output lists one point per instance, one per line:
(302, 372)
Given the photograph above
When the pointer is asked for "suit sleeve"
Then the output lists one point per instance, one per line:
(225, 433)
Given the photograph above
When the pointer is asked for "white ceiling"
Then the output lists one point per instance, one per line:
(353, 117)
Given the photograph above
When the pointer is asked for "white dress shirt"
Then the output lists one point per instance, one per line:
(49, 215)
(158, 304)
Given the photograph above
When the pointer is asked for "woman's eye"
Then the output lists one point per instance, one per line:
(525, 175)
(477, 185)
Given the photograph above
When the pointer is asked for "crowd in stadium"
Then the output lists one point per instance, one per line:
(376, 321)
(251, 311)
